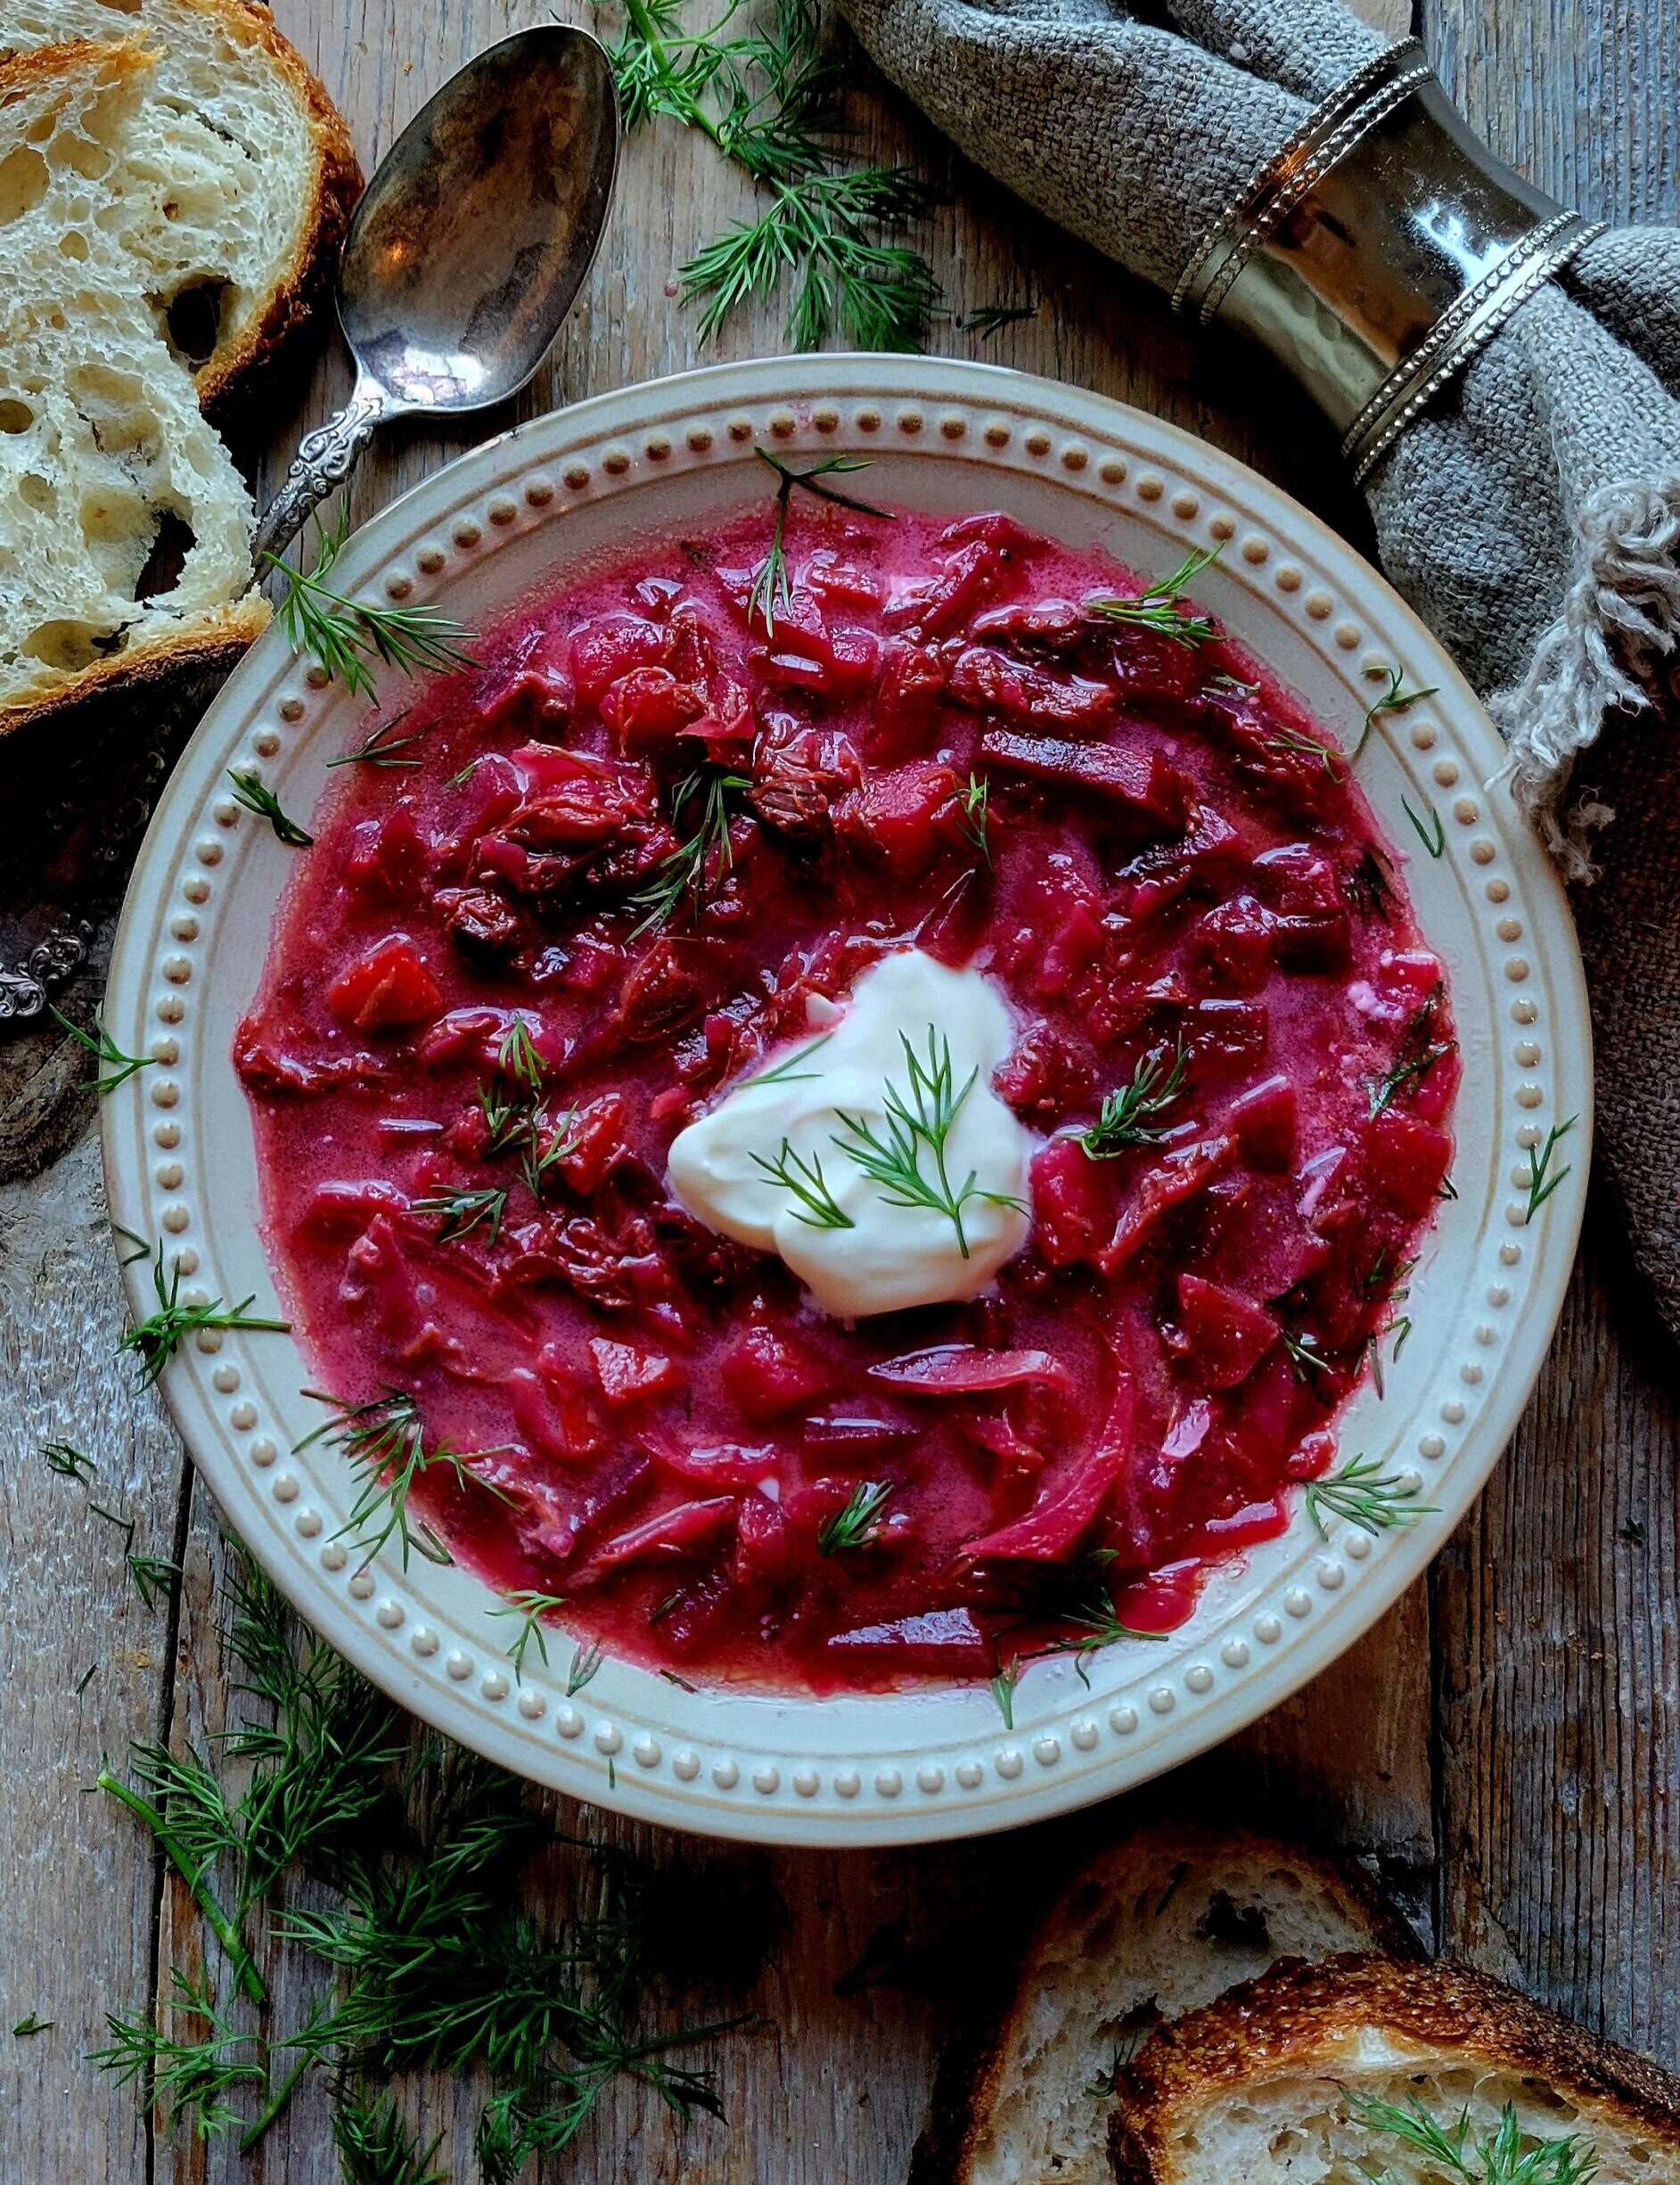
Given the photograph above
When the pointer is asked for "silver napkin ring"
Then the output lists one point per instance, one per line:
(1379, 249)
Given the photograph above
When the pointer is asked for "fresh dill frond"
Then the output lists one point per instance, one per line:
(67, 1461)
(1128, 1114)
(786, 1073)
(1161, 607)
(28, 2027)
(344, 635)
(249, 791)
(977, 816)
(463, 1212)
(115, 1067)
(1509, 2156)
(1434, 836)
(1003, 1689)
(683, 876)
(988, 319)
(824, 232)
(154, 1577)
(770, 591)
(374, 2145)
(805, 1182)
(1366, 1496)
(383, 1442)
(186, 2076)
(924, 1119)
(156, 1339)
(1395, 699)
(517, 1057)
(384, 747)
(530, 1608)
(857, 1522)
(764, 94)
(1419, 1053)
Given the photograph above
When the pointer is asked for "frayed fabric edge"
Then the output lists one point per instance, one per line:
(1619, 622)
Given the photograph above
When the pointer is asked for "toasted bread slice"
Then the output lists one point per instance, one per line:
(124, 529)
(237, 180)
(1332, 2074)
(1160, 1923)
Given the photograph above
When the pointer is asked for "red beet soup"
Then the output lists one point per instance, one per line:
(631, 859)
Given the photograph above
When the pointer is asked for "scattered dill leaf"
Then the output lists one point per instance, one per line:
(1366, 1496)
(67, 1461)
(1395, 699)
(115, 1067)
(530, 1608)
(1419, 1053)
(383, 1442)
(988, 319)
(156, 1339)
(249, 791)
(683, 878)
(1127, 1115)
(977, 816)
(1004, 1689)
(344, 637)
(1542, 1179)
(153, 1577)
(805, 1182)
(857, 1524)
(1161, 607)
(1287, 740)
(26, 2028)
(384, 747)
(784, 1073)
(1432, 837)
(463, 1212)
(770, 592)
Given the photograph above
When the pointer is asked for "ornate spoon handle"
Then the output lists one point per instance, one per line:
(325, 459)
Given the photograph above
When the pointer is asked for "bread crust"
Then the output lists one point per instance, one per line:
(975, 2062)
(217, 642)
(227, 383)
(1297, 2015)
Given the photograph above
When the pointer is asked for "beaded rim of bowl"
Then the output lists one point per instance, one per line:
(913, 1766)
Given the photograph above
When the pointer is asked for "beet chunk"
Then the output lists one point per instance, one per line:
(388, 990)
(903, 818)
(1144, 781)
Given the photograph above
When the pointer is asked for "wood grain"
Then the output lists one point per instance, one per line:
(1557, 1666)
(1520, 1714)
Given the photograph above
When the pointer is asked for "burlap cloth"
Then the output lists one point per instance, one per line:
(1532, 515)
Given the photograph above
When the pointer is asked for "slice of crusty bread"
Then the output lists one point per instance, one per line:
(238, 175)
(1160, 1923)
(124, 529)
(1268, 2085)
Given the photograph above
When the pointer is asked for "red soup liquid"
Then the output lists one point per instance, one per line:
(673, 802)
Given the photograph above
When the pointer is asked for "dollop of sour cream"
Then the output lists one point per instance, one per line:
(802, 1116)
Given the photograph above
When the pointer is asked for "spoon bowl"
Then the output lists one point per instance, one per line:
(468, 248)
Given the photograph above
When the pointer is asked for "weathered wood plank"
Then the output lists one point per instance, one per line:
(1558, 1701)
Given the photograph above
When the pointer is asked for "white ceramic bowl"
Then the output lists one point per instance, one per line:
(857, 1770)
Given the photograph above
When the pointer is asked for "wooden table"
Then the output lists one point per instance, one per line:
(1506, 1744)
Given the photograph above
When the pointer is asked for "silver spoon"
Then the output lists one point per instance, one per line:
(467, 249)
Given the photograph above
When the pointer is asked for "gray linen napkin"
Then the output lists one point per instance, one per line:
(1532, 515)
